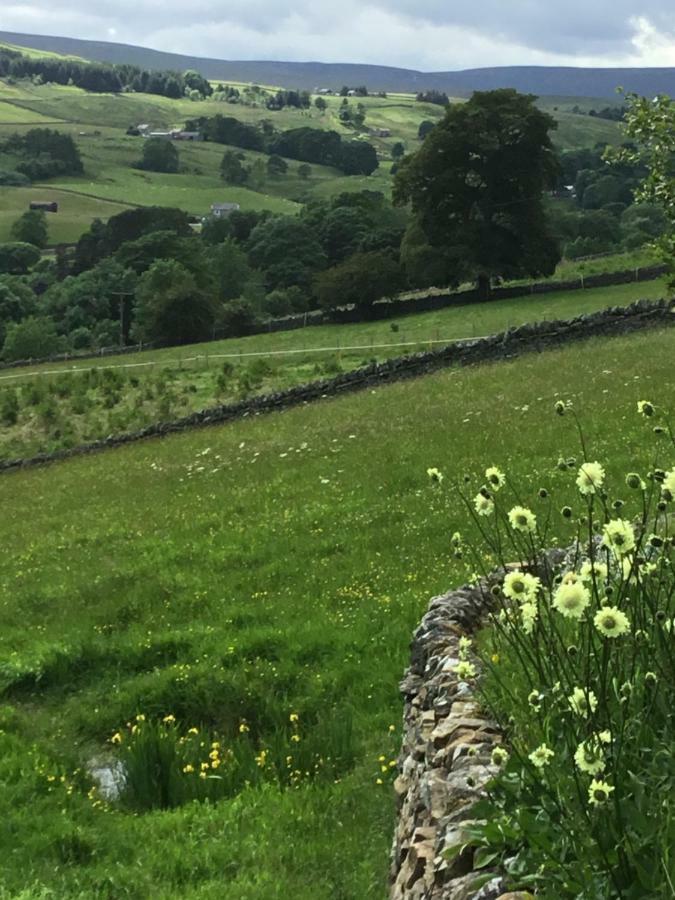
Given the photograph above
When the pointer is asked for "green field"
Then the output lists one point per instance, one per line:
(215, 576)
(98, 123)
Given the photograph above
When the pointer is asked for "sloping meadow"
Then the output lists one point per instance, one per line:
(218, 621)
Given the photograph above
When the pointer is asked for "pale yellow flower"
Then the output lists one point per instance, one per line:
(571, 600)
(521, 586)
(541, 756)
(582, 702)
(611, 622)
(495, 478)
(598, 792)
(523, 519)
(618, 536)
(483, 505)
(590, 478)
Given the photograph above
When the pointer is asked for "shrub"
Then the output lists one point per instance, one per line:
(34, 338)
(580, 673)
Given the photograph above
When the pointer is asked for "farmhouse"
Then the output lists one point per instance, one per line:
(45, 205)
(222, 210)
(380, 132)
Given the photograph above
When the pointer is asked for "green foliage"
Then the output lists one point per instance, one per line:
(232, 169)
(31, 228)
(159, 155)
(9, 407)
(276, 165)
(476, 186)
(230, 268)
(45, 153)
(33, 338)
(286, 250)
(361, 280)
(170, 306)
(579, 672)
(650, 124)
(17, 258)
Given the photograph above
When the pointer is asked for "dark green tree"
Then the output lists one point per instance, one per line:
(397, 151)
(31, 228)
(476, 186)
(320, 104)
(232, 169)
(159, 155)
(171, 308)
(17, 258)
(287, 250)
(360, 280)
(276, 165)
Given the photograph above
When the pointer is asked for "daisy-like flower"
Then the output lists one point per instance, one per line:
(435, 475)
(495, 478)
(521, 586)
(590, 570)
(605, 737)
(529, 614)
(483, 505)
(582, 703)
(589, 757)
(618, 536)
(499, 756)
(645, 408)
(542, 756)
(598, 792)
(456, 539)
(611, 622)
(523, 519)
(465, 669)
(591, 477)
(571, 599)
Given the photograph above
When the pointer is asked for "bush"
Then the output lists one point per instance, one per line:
(237, 318)
(579, 671)
(159, 155)
(34, 338)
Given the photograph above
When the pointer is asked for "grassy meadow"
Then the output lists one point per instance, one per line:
(55, 406)
(214, 577)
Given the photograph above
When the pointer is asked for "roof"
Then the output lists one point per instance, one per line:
(224, 206)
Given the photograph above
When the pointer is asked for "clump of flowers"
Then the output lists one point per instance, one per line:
(577, 665)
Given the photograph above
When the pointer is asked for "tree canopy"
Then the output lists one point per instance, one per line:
(476, 186)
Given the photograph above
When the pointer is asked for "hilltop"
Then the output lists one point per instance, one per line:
(541, 80)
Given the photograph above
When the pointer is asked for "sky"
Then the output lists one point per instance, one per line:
(429, 35)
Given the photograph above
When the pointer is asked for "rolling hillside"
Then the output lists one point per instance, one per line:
(542, 80)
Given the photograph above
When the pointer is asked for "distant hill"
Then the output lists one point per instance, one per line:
(542, 80)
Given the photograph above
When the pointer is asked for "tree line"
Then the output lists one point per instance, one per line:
(102, 77)
(309, 145)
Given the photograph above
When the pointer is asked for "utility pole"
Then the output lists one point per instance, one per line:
(122, 295)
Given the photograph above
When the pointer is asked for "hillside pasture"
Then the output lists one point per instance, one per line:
(75, 215)
(215, 576)
(67, 404)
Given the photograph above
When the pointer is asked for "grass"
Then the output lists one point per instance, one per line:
(215, 576)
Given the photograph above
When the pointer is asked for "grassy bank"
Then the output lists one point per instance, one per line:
(250, 572)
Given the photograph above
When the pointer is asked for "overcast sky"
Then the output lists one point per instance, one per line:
(419, 34)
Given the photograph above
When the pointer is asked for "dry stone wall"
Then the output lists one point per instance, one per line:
(535, 337)
(445, 759)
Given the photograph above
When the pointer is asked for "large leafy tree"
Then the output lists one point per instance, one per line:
(31, 228)
(476, 187)
(171, 307)
(159, 155)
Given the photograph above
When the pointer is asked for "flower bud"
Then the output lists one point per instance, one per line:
(633, 481)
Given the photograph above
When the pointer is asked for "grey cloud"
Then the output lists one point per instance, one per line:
(417, 33)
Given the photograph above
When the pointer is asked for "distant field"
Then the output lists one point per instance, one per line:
(269, 567)
(98, 123)
(62, 405)
(75, 214)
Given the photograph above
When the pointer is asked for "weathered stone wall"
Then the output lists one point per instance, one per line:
(535, 337)
(445, 757)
